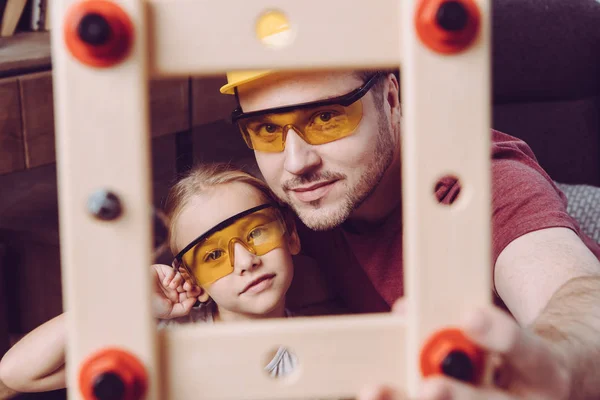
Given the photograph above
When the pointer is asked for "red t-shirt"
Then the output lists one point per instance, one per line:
(364, 268)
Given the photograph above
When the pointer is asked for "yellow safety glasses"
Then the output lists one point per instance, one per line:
(211, 256)
(316, 122)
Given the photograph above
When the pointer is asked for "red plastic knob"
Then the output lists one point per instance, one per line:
(98, 33)
(447, 26)
(112, 374)
(449, 352)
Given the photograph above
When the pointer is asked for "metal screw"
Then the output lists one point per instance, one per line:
(458, 365)
(104, 205)
(109, 386)
(94, 29)
(452, 16)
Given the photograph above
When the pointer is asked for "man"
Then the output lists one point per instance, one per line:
(333, 155)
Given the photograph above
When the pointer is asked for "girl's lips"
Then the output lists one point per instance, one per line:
(259, 284)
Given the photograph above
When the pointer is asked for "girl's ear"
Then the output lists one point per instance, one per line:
(203, 297)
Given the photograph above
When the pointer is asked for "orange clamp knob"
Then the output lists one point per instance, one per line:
(98, 33)
(449, 352)
(112, 374)
(447, 26)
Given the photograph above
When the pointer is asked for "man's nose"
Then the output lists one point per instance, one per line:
(300, 157)
(244, 260)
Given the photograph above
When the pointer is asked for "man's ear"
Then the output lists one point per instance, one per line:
(392, 97)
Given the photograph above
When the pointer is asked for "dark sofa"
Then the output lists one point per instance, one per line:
(546, 85)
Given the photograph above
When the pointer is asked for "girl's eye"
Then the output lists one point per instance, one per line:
(213, 255)
(256, 233)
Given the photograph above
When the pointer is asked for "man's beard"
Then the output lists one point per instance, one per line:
(320, 218)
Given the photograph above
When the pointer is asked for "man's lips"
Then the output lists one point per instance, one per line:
(257, 281)
(311, 187)
(312, 192)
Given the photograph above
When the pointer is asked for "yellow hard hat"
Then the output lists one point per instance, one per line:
(272, 29)
(237, 78)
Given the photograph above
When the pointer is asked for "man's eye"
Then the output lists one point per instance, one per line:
(271, 128)
(213, 255)
(268, 129)
(324, 117)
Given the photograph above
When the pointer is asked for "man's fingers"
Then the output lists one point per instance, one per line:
(530, 357)
(494, 330)
(379, 393)
(448, 389)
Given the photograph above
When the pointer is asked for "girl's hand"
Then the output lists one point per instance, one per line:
(174, 292)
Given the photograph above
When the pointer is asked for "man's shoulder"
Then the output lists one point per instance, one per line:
(506, 146)
(514, 164)
(524, 196)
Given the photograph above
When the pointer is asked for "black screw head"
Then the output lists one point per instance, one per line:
(458, 365)
(104, 205)
(109, 386)
(452, 16)
(94, 29)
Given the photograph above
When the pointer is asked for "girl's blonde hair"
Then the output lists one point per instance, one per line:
(202, 178)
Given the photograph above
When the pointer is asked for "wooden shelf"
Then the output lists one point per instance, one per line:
(24, 52)
(27, 111)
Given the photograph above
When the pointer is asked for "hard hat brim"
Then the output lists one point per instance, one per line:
(229, 88)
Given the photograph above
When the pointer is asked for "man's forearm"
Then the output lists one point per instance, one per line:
(571, 321)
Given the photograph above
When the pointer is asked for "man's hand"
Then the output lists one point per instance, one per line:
(174, 293)
(529, 367)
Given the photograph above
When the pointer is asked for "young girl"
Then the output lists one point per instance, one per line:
(233, 245)
(236, 242)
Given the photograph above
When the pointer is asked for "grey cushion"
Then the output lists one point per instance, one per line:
(584, 207)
